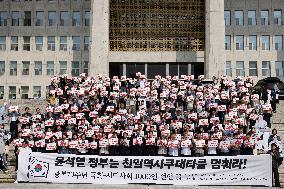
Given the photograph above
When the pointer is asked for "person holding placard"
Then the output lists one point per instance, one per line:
(138, 144)
(212, 146)
(93, 146)
(51, 145)
(236, 144)
(63, 145)
(248, 145)
(125, 148)
(162, 146)
(173, 145)
(224, 146)
(199, 146)
(83, 145)
(150, 145)
(73, 144)
(13, 119)
(104, 145)
(186, 145)
(113, 145)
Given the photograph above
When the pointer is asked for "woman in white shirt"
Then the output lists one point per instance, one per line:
(173, 145)
(104, 150)
(211, 151)
(162, 146)
(186, 150)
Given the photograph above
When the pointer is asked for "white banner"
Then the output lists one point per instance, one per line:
(213, 170)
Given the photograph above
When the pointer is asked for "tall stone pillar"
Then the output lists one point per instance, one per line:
(215, 35)
(99, 53)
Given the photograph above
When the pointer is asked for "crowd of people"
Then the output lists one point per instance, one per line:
(171, 116)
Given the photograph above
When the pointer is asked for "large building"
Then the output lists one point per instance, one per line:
(41, 38)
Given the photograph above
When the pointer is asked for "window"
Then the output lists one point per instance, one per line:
(76, 18)
(2, 67)
(277, 17)
(63, 43)
(265, 42)
(14, 43)
(252, 43)
(228, 68)
(252, 68)
(240, 68)
(63, 67)
(239, 42)
(278, 42)
(239, 15)
(13, 68)
(37, 91)
(27, 45)
(264, 17)
(266, 69)
(251, 18)
(133, 68)
(85, 67)
(50, 68)
(176, 69)
(38, 68)
(39, 43)
(25, 92)
(227, 42)
(12, 92)
(15, 18)
(51, 43)
(153, 69)
(39, 18)
(227, 15)
(3, 18)
(86, 43)
(1, 92)
(279, 69)
(51, 18)
(87, 18)
(27, 18)
(2, 43)
(75, 68)
(64, 18)
(26, 68)
(76, 43)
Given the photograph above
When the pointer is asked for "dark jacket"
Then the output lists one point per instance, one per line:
(275, 159)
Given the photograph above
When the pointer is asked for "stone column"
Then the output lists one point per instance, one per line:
(215, 35)
(99, 61)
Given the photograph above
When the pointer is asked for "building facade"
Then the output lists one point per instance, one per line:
(254, 38)
(42, 38)
(38, 39)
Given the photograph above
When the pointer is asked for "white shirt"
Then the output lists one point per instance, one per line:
(212, 150)
(174, 151)
(186, 151)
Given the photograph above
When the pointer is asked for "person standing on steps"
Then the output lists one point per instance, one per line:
(3, 139)
(276, 162)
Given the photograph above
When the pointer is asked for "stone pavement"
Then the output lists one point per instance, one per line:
(92, 186)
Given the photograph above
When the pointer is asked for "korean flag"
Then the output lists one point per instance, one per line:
(37, 168)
